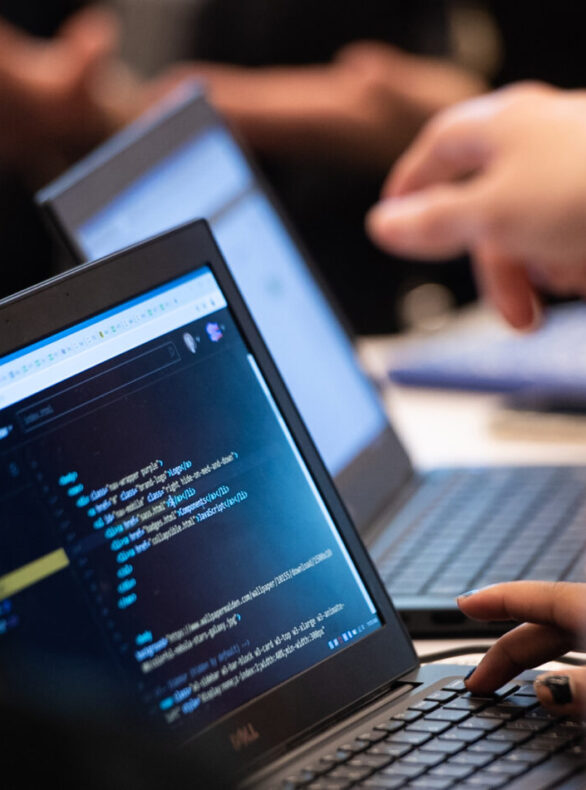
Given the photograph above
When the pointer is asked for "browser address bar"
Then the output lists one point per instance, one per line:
(92, 389)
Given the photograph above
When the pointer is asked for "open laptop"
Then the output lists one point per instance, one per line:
(168, 522)
(181, 161)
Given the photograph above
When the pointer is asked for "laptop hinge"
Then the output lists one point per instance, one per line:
(372, 531)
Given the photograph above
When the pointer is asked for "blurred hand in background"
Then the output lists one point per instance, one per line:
(59, 97)
(361, 108)
(502, 177)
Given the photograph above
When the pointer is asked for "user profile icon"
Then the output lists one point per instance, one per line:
(214, 331)
(190, 341)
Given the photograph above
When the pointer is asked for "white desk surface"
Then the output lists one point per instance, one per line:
(443, 427)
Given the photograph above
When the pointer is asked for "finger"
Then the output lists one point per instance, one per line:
(87, 38)
(563, 278)
(522, 648)
(439, 222)
(558, 604)
(506, 283)
(452, 145)
(563, 693)
(95, 27)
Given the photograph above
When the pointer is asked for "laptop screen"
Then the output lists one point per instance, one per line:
(196, 169)
(159, 517)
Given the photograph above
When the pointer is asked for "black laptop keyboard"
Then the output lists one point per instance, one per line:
(467, 528)
(451, 739)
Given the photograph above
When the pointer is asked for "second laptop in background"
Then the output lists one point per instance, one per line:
(432, 534)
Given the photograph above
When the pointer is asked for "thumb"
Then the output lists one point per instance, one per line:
(438, 222)
(563, 694)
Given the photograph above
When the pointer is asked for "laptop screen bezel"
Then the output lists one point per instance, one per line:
(370, 481)
(335, 684)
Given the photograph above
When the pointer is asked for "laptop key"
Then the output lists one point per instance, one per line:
(462, 734)
(528, 756)
(443, 746)
(507, 767)
(482, 781)
(421, 757)
(455, 685)
(393, 750)
(501, 712)
(392, 725)
(408, 715)
(373, 762)
(428, 782)
(526, 690)
(452, 770)
(545, 745)
(373, 736)
(529, 725)
(409, 737)
(454, 716)
(355, 746)
(510, 736)
(433, 727)
(401, 768)
(443, 695)
(505, 690)
(473, 759)
(481, 723)
(491, 747)
(470, 704)
(349, 773)
(424, 705)
(380, 782)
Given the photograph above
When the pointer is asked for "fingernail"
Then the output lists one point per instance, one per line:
(391, 210)
(534, 318)
(558, 686)
(468, 593)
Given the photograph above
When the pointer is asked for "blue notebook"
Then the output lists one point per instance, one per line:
(550, 362)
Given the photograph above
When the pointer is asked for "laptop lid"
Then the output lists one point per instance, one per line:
(166, 515)
(180, 162)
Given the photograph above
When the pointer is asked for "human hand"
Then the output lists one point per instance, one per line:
(502, 177)
(53, 99)
(362, 108)
(553, 617)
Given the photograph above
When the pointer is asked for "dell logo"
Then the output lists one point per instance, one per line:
(244, 736)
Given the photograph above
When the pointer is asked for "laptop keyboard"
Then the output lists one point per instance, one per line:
(452, 739)
(467, 528)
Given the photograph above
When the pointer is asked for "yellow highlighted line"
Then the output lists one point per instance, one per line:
(33, 572)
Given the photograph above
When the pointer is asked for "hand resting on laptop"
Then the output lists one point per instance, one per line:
(553, 621)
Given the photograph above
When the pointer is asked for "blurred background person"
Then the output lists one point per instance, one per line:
(316, 111)
(502, 177)
(327, 95)
(61, 93)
